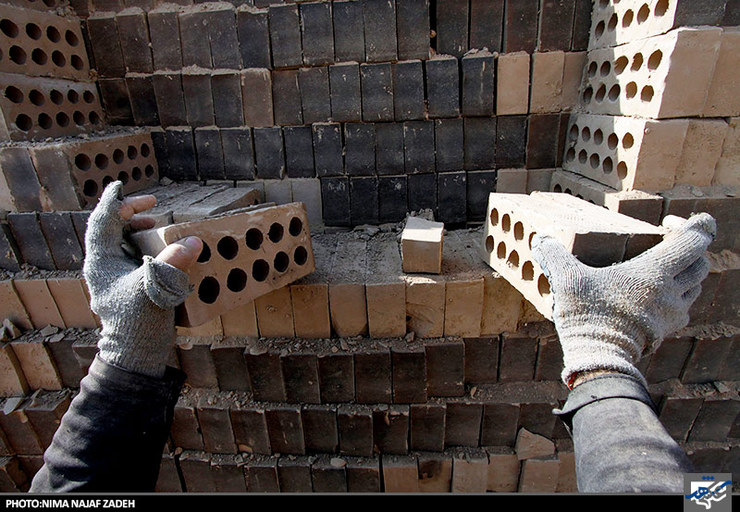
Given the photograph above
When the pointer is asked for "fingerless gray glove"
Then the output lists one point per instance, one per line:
(135, 302)
(608, 318)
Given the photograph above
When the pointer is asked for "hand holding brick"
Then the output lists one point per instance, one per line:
(607, 318)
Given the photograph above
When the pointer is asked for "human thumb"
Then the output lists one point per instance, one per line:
(553, 257)
(183, 253)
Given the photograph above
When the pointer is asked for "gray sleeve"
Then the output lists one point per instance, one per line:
(619, 443)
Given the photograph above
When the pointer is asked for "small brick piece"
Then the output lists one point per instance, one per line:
(379, 18)
(421, 246)
(442, 82)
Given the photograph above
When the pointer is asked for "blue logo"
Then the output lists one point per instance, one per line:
(708, 492)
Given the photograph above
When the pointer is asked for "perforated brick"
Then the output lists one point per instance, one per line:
(37, 108)
(595, 235)
(625, 153)
(40, 43)
(658, 77)
(245, 256)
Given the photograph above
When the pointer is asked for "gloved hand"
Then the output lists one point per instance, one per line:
(608, 318)
(135, 302)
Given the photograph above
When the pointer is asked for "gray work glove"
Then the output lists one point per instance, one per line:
(608, 318)
(135, 301)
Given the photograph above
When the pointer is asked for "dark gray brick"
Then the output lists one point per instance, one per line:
(346, 97)
(452, 27)
(315, 99)
(408, 90)
(363, 200)
(317, 33)
(299, 158)
(238, 152)
(478, 79)
(335, 201)
(412, 22)
(377, 92)
(443, 86)
(285, 35)
(486, 24)
(349, 34)
(379, 17)
(328, 149)
(389, 152)
(449, 144)
(452, 197)
(418, 141)
(253, 30)
(359, 148)
(269, 153)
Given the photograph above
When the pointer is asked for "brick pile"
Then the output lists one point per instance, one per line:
(358, 376)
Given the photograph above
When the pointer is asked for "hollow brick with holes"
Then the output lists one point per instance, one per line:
(37, 108)
(614, 23)
(625, 153)
(245, 256)
(595, 235)
(42, 44)
(659, 77)
(91, 164)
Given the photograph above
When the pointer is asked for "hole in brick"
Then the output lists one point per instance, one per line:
(586, 134)
(612, 141)
(73, 97)
(570, 155)
(607, 165)
(123, 177)
(528, 271)
(598, 137)
(614, 92)
(94, 118)
(88, 97)
(647, 93)
(9, 28)
(36, 97)
(260, 270)
(501, 250)
(654, 60)
(628, 140)
(494, 217)
(281, 262)
(594, 160)
(300, 255)
(236, 280)
(83, 162)
(71, 38)
(254, 238)
(228, 247)
(39, 56)
(518, 231)
(605, 69)
(637, 62)
(599, 30)
(506, 223)
(603, 3)
(44, 121)
(145, 150)
(118, 156)
(78, 117)
(613, 20)
(513, 259)
(543, 285)
(23, 122)
(62, 119)
(149, 171)
(14, 94)
(628, 17)
(529, 240)
(573, 133)
(205, 253)
(132, 152)
(600, 93)
(17, 55)
(33, 31)
(643, 14)
(568, 191)
(56, 97)
(77, 62)
(588, 94)
(209, 289)
(136, 173)
(101, 161)
(490, 243)
(621, 170)
(58, 58)
(592, 68)
(53, 34)
(90, 188)
(295, 227)
(661, 7)
(582, 156)
(620, 64)
(107, 180)
(276, 232)
(631, 90)
(557, 188)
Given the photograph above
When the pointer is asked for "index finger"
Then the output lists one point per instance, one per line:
(136, 204)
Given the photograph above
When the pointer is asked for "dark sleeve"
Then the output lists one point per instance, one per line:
(619, 443)
(112, 437)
